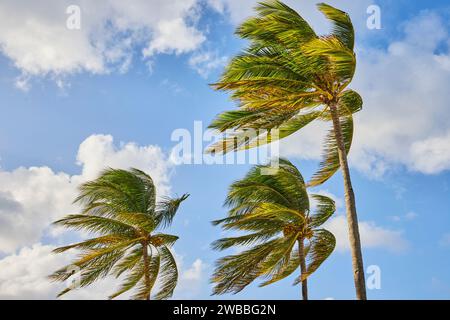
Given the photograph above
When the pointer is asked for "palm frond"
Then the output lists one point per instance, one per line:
(285, 270)
(166, 210)
(342, 24)
(233, 273)
(96, 224)
(132, 279)
(249, 239)
(168, 274)
(325, 209)
(330, 163)
(342, 59)
(321, 246)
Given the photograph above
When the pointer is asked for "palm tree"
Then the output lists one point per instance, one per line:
(287, 78)
(284, 234)
(120, 208)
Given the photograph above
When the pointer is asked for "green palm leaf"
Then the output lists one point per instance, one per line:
(342, 24)
(330, 163)
(325, 209)
(168, 275)
(321, 246)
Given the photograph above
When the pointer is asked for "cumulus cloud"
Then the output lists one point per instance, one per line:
(31, 198)
(24, 275)
(372, 235)
(192, 279)
(405, 118)
(34, 35)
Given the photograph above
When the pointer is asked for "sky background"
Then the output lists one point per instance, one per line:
(113, 92)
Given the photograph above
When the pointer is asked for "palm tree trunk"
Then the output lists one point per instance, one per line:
(301, 255)
(352, 218)
(146, 270)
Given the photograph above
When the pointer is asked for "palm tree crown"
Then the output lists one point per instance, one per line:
(120, 208)
(274, 212)
(289, 77)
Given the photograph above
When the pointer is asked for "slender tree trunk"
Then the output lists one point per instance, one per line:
(352, 218)
(301, 255)
(146, 270)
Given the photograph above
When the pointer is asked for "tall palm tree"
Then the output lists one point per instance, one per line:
(287, 78)
(282, 231)
(120, 208)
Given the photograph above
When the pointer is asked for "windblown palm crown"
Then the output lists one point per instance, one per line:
(287, 78)
(274, 211)
(120, 208)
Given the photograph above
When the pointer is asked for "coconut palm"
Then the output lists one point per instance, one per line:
(120, 208)
(284, 233)
(287, 78)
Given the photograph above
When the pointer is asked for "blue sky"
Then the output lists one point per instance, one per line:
(113, 92)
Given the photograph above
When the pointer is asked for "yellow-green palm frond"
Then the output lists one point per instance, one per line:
(233, 273)
(275, 23)
(321, 246)
(132, 279)
(119, 191)
(341, 60)
(168, 274)
(96, 224)
(94, 263)
(269, 131)
(325, 209)
(285, 270)
(342, 24)
(145, 286)
(166, 210)
(285, 188)
(330, 156)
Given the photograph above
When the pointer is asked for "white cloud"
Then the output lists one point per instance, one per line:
(405, 119)
(206, 62)
(431, 155)
(192, 279)
(406, 217)
(372, 235)
(35, 37)
(24, 275)
(31, 198)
